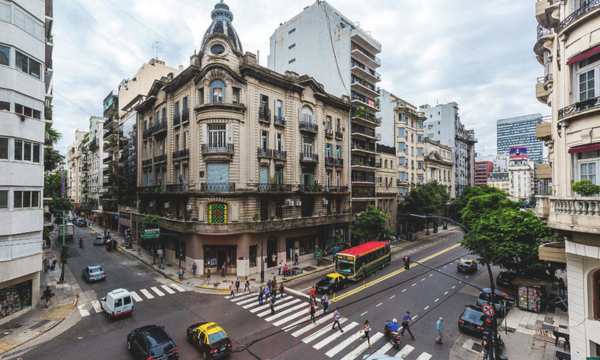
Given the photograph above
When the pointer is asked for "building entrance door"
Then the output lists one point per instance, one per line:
(271, 252)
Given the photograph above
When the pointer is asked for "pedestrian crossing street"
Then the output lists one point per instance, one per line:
(140, 295)
(292, 315)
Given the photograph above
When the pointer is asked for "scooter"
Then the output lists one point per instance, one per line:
(391, 333)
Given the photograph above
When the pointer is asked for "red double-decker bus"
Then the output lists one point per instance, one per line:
(360, 261)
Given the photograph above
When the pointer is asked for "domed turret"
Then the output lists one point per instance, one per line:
(221, 26)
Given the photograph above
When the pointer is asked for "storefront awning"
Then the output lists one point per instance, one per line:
(584, 148)
(584, 55)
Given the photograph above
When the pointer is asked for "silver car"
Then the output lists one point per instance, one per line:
(99, 240)
(93, 273)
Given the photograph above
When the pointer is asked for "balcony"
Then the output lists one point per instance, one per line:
(308, 126)
(159, 128)
(329, 133)
(364, 88)
(544, 40)
(553, 252)
(365, 73)
(585, 8)
(185, 116)
(147, 132)
(329, 161)
(362, 115)
(147, 162)
(176, 119)
(226, 151)
(272, 188)
(308, 158)
(279, 155)
(264, 115)
(546, 12)
(363, 192)
(581, 214)
(365, 132)
(579, 108)
(217, 188)
(542, 206)
(365, 148)
(262, 153)
(160, 158)
(339, 135)
(543, 88)
(234, 107)
(181, 154)
(339, 163)
(335, 189)
(279, 120)
(310, 188)
(367, 59)
(366, 102)
(543, 131)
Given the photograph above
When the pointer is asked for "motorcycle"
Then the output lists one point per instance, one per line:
(391, 331)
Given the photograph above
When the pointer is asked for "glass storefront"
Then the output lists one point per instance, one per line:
(15, 298)
(219, 258)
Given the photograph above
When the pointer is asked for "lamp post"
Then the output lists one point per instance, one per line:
(262, 261)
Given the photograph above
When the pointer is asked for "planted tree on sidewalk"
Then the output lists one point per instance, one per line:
(430, 198)
(369, 225)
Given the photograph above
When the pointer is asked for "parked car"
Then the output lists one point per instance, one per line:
(117, 303)
(93, 273)
(471, 320)
(210, 339)
(330, 283)
(99, 240)
(502, 301)
(151, 342)
(466, 265)
(505, 278)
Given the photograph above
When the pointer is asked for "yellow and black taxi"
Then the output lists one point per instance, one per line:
(330, 283)
(210, 338)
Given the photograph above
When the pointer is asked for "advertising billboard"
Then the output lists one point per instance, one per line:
(518, 152)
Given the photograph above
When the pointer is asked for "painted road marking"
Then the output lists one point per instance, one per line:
(253, 304)
(390, 275)
(436, 300)
(292, 317)
(305, 319)
(413, 284)
(454, 286)
(403, 290)
(406, 350)
(147, 294)
(416, 316)
(83, 311)
(96, 306)
(391, 297)
(325, 329)
(156, 291)
(266, 304)
(277, 307)
(349, 340)
(311, 326)
(135, 296)
(246, 301)
(445, 293)
(382, 350)
(365, 313)
(337, 333)
(378, 305)
(362, 347)
(177, 287)
(240, 297)
(167, 289)
(423, 279)
(285, 312)
(424, 356)
(426, 307)
(430, 275)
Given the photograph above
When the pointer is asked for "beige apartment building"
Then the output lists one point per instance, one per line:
(241, 163)
(410, 147)
(386, 183)
(74, 166)
(438, 165)
(568, 46)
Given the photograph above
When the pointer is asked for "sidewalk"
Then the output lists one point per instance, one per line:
(40, 320)
(218, 284)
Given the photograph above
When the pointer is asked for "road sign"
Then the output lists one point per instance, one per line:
(151, 234)
(488, 309)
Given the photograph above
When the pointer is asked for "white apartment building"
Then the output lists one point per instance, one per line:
(438, 165)
(74, 165)
(22, 99)
(346, 65)
(95, 166)
(409, 141)
(386, 187)
(443, 124)
(568, 47)
(521, 177)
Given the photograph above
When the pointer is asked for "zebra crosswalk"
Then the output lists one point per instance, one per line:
(140, 295)
(292, 315)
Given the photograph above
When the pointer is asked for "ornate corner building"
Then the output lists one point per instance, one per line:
(240, 163)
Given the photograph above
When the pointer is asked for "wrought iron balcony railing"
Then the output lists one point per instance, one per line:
(279, 154)
(309, 157)
(585, 8)
(578, 107)
(279, 120)
(217, 187)
(308, 126)
(227, 149)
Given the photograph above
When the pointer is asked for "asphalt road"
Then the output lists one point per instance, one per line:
(431, 296)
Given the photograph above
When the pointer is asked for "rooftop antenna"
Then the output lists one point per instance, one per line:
(156, 48)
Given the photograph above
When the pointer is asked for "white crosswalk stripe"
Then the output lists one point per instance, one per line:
(347, 341)
(302, 321)
(167, 289)
(312, 325)
(285, 312)
(292, 317)
(266, 304)
(96, 306)
(405, 351)
(247, 301)
(325, 329)
(237, 298)
(252, 304)
(157, 291)
(362, 347)
(177, 287)
(135, 296)
(337, 333)
(278, 307)
(424, 356)
(382, 350)
(147, 294)
(83, 311)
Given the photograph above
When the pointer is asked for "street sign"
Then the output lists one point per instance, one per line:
(488, 309)
(151, 234)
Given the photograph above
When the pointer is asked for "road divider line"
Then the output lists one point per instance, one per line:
(278, 307)
(292, 317)
(391, 297)
(445, 293)
(403, 290)
(378, 305)
(237, 299)
(266, 304)
(382, 350)
(177, 287)
(426, 307)
(424, 356)
(436, 300)
(310, 326)
(287, 311)
(406, 350)
(365, 313)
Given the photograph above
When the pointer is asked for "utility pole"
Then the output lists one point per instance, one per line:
(262, 261)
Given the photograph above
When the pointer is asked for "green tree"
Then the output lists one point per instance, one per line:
(52, 158)
(430, 198)
(151, 222)
(369, 225)
(481, 203)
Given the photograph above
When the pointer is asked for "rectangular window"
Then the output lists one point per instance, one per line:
(292, 61)
(279, 109)
(5, 12)
(27, 151)
(184, 108)
(176, 113)
(4, 55)
(3, 199)
(236, 95)
(17, 199)
(18, 150)
(37, 114)
(264, 140)
(26, 199)
(307, 146)
(328, 150)
(587, 171)
(22, 62)
(586, 85)
(291, 31)
(27, 111)
(36, 153)
(292, 46)
(35, 199)
(279, 142)
(4, 148)
(35, 69)
(4, 105)
(217, 135)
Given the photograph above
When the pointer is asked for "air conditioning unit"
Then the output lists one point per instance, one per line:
(298, 203)
(289, 202)
(166, 205)
(325, 202)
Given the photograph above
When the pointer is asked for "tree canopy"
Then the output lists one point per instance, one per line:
(430, 198)
(369, 225)
(480, 203)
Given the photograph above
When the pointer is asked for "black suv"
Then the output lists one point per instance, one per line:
(472, 320)
(153, 342)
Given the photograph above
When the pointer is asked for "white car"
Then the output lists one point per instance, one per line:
(117, 303)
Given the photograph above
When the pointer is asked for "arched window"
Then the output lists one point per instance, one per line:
(217, 91)
(217, 213)
(307, 115)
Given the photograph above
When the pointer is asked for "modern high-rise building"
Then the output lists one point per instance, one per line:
(443, 124)
(520, 131)
(568, 47)
(25, 37)
(323, 43)
(483, 169)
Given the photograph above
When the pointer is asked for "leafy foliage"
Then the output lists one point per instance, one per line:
(151, 221)
(429, 198)
(369, 225)
(482, 203)
(52, 158)
(585, 188)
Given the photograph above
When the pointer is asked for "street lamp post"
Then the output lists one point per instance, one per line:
(262, 261)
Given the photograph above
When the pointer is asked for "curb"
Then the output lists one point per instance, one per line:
(213, 290)
(122, 251)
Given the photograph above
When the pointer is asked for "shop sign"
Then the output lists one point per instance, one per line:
(150, 234)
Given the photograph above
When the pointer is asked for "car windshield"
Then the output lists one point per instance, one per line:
(344, 267)
(157, 338)
(95, 269)
(473, 316)
(323, 282)
(216, 337)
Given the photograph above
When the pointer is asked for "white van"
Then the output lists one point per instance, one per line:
(117, 303)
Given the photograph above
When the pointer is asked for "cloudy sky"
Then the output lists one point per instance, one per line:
(477, 53)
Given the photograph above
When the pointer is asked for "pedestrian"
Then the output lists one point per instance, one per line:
(247, 286)
(180, 273)
(267, 293)
(272, 304)
(366, 331)
(207, 274)
(194, 268)
(274, 282)
(406, 260)
(296, 259)
(281, 290)
(274, 291)
(312, 292)
(279, 268)
(231, 288)
(439, 328)
(325, 303)
(47, 295)
(286, 269)
(336, 320)
(54, 261)
(269, 285)
(260, 296)
(312, 312)
(406, 319)
(45, 264)
(237, 285)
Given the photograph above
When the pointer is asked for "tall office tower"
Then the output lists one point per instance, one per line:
(520, 131)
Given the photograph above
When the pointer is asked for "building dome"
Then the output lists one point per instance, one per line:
(221, 26)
